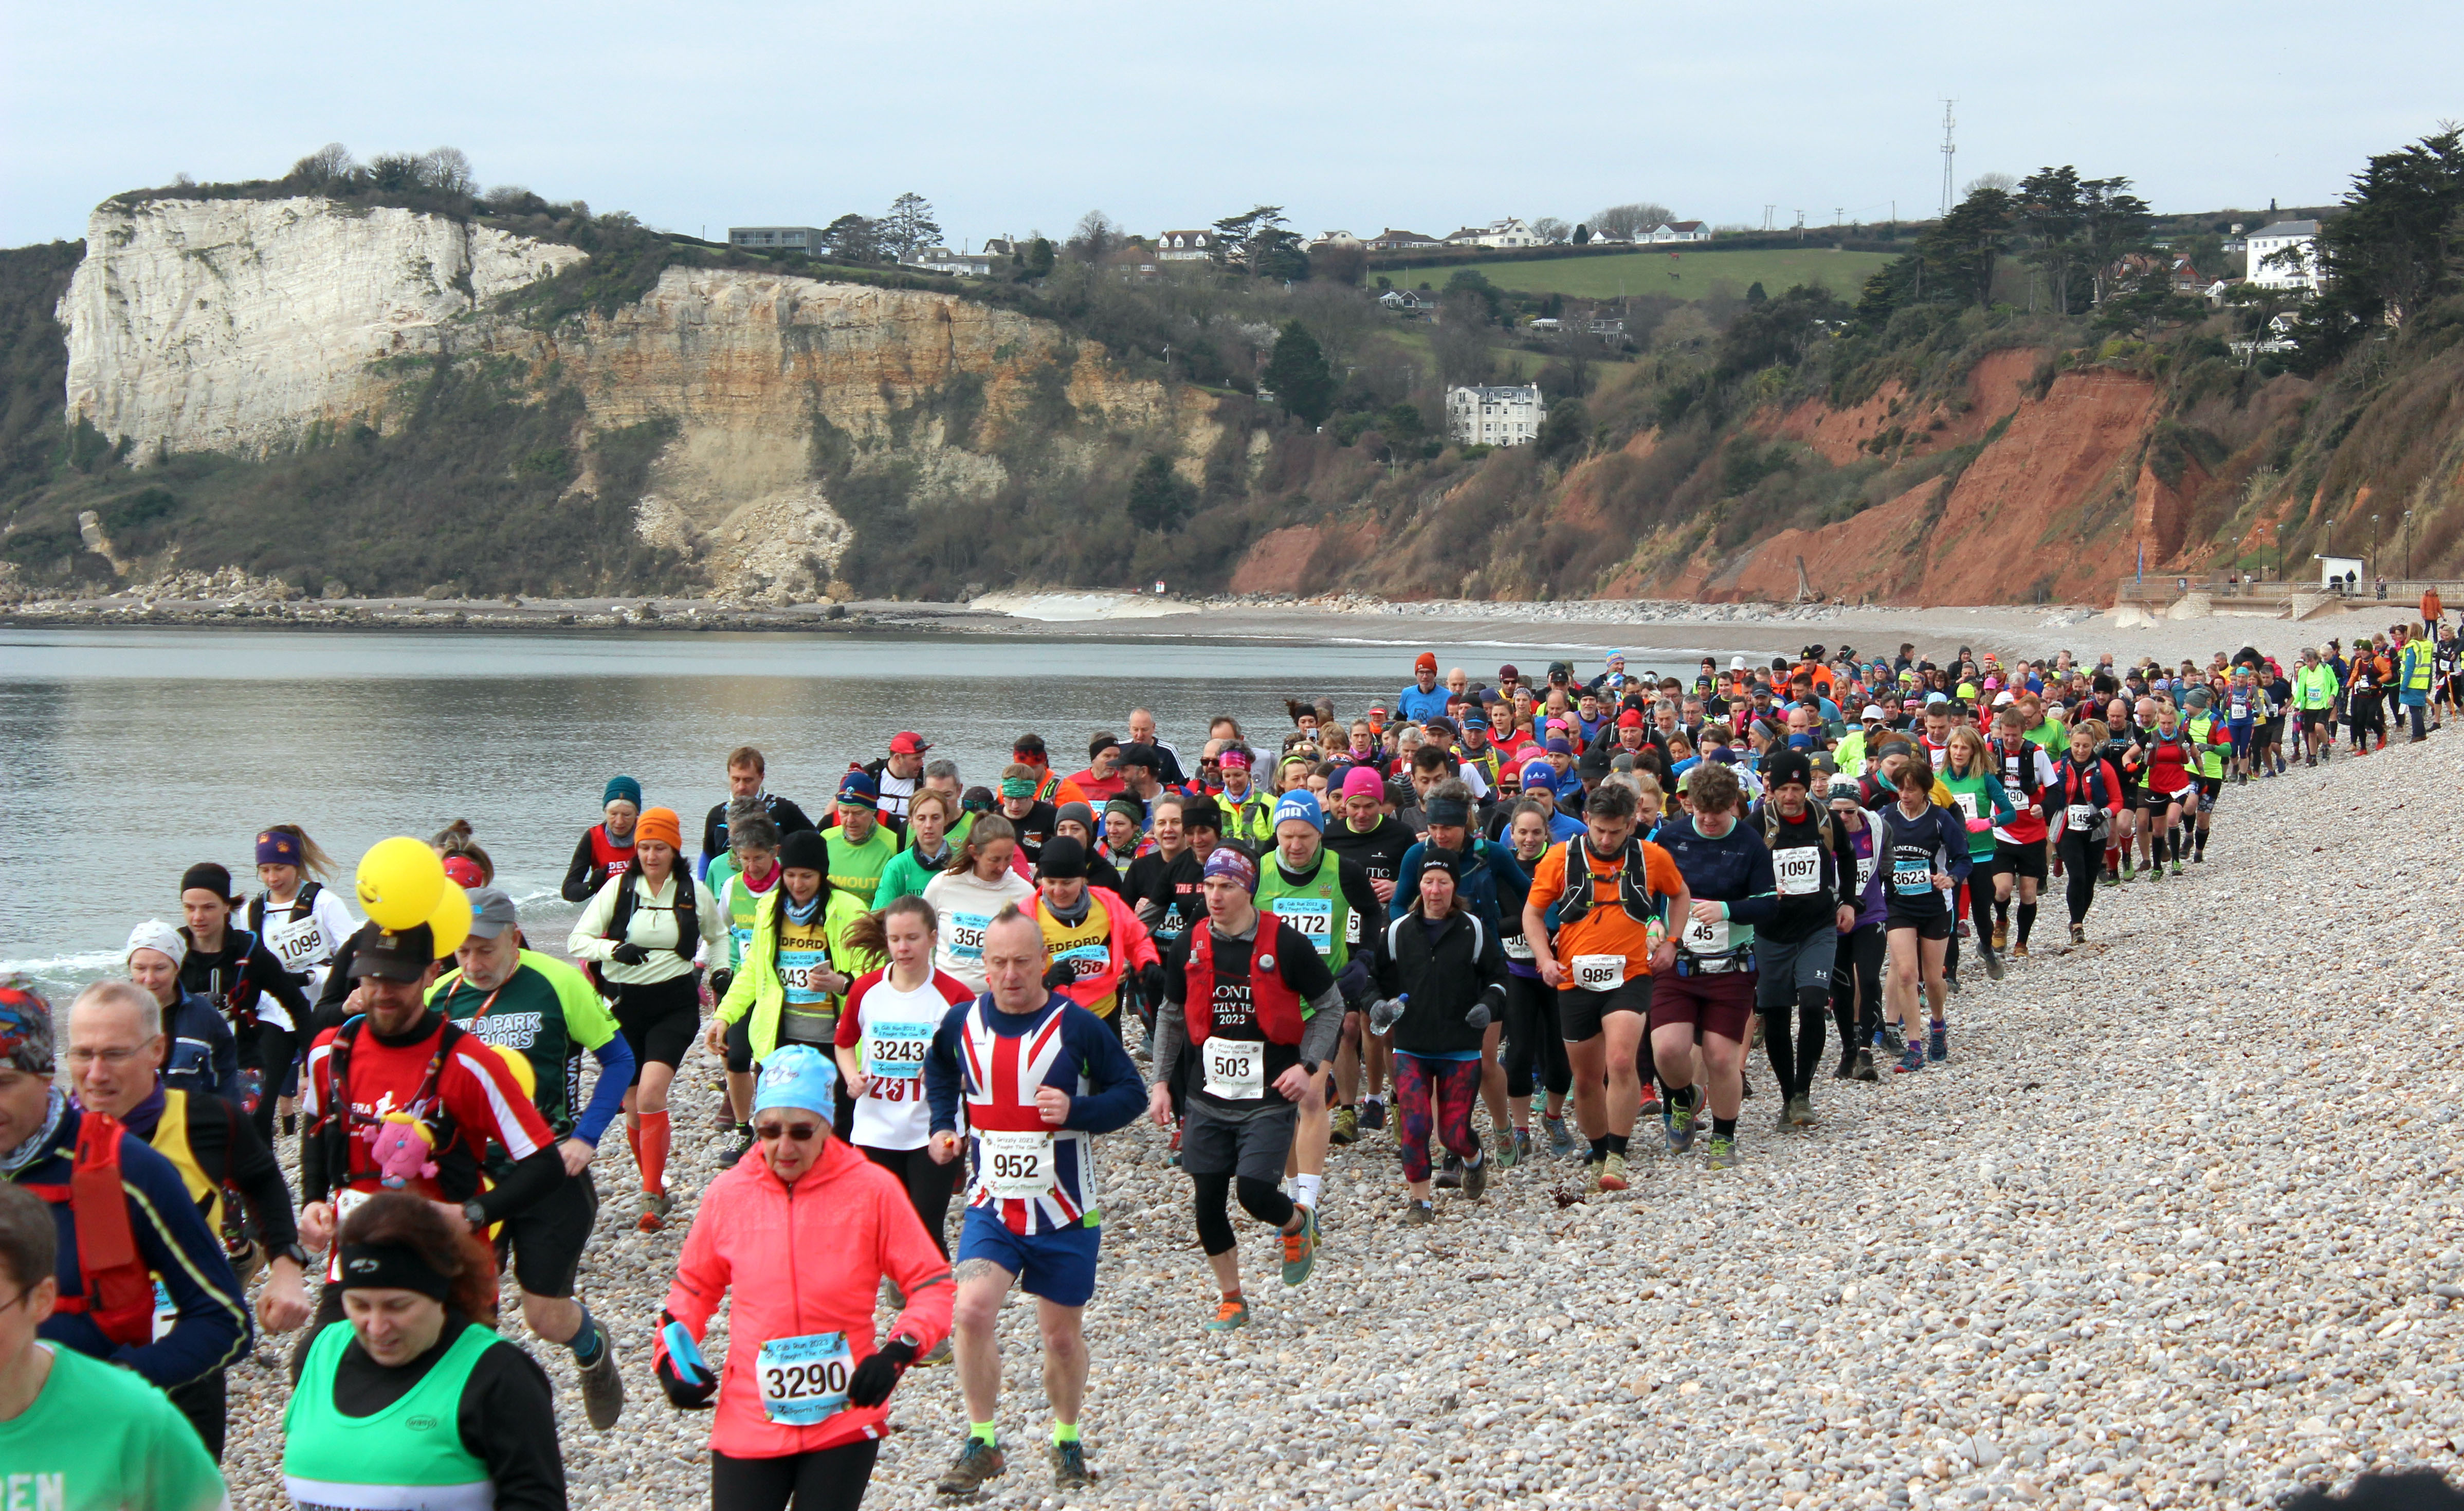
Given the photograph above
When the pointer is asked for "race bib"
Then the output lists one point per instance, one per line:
(1705, 938)
(297, 944)
(965, 934)
(895, 1051)
(743, 937)
(1966, 801)
(1312, 917)
(2082, 816)
(1236, 1068)
(1518, 948)
(805, 1379)
(797, 968)
(2240, 709)
(167, 1312)
(1085, 961)
(1799, 870)
(1017, 1167)
(1912, 881)
(1865, 871)
(1599, 973)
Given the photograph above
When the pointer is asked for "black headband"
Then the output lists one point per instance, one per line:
(391, 1266)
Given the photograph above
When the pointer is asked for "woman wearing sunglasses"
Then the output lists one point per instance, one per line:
(801, 1229)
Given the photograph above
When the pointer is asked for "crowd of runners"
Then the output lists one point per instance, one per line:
(1576, 905)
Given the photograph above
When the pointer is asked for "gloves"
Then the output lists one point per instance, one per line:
(683, 1373)
(1151, 983)
(1384, 1014)
(874, 1378)
(1353, 982)
(1484, 1011)
(1061, 974)
(721, 979)
(627, 952)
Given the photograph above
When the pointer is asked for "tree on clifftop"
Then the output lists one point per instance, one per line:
(853, 238)
(2395, 247)
(909, 227)
(1297, 372)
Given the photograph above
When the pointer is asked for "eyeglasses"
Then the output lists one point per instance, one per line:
(798, 1133)
(114, 1057)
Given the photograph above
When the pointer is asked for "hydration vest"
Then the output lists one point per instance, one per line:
(688, 918)
(1633, 884)
(117, 1289)
(1280, 1010)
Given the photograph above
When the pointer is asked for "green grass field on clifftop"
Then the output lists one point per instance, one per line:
(1688, 275)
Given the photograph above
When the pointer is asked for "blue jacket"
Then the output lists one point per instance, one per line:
(1490, 889)
(212, 1331)
(202, 1056)
(1421, 707)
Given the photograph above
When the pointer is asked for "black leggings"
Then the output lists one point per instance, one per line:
(927, 1182)
(200, 1401)
(1856, 987)
(1794, 1056)
(2082, 862)
(1262, 1199)
(825, 1479)
(1532, 1039)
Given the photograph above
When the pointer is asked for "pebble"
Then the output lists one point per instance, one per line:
(2174, 1227)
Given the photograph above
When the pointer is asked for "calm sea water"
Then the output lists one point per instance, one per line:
(127, 755)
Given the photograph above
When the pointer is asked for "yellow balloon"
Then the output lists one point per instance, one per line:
(451, 919)
(400, 880)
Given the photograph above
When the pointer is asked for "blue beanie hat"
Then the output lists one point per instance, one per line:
(798, 1076)
(1301, 803)
(625, 787)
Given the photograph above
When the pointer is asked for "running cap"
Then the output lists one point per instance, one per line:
(2004, 698)
(1936, 698)
(1227, 862)
(1362, 781)
(391, 955)
(274, 848)
(798, 1076)
(157, 935)
(907, 742)
(1736, 664)
(1873, 711)
(1064, 859)
(1474, 721)
(1302, 803)
(857, 789)
(207, 876)
(493, 912)
(1507, 674)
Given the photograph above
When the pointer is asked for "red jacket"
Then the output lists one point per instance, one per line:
(804, 1259)
(1129, 946)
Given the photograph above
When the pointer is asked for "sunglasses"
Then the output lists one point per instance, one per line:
(800, 1132)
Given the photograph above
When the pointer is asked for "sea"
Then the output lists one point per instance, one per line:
(127, 755)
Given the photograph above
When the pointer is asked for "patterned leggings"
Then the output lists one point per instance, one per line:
(1435, 1091)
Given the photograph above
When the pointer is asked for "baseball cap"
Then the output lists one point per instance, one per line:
(2003, 698)
(491, 912)
(1507, 674)
(392, 955)
(1140, 755)
(1736, 664)
(1873, 711)
(907, 742)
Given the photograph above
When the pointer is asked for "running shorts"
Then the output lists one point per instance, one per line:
(1254, 1147)
(1785, 969)
(2021, 860)
(2210, 789)
(1058, 1265)
(1934, 923)
(1720, 1004)
(1580, 1014)
(547, 1238)
(659, 1020)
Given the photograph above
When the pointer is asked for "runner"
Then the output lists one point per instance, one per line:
(1163, 882)
(882, 1035)
(606, 847)
(2315, 690)
(2026, 770)
(2209, 737)
(1444, 972)
(979, 883)
(928, 848)
(1534, 1046)
(419, 1350)
(1326, 898)
(308, 921)
(1250, 996)
(2088, 789)
(230, 968)
(80, 1432)
(797, 1238)
(1705, 1002)
(1101, 781)
(1856, 965)
(2171, 787)
(796, 965)
(1818, 889)
(861, 843)
(198, 1053)
(641, 932)
(1601, 957)
(747, 774)
(1923, 851)
(516, 1000)
(1050, 786)
(1248, 814)
(1491, 886)
(1374, 841)
(1038, 1077)
(1977, 796)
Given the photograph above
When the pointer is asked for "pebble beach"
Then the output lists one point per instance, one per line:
(2176, 1225)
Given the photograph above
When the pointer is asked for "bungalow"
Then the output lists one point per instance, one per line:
(1681, 230)
(1507, 232)
(1404, 301)
(1335, 239)
(1392, 240)
(809, 240)
(957, 264)
(1185, 246)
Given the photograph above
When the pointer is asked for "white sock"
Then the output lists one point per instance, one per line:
(1305, 1189)
(1376, 1097)
(1475, 1159)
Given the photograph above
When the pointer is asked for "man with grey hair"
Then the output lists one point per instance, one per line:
(114, 1060)
(106, 1308)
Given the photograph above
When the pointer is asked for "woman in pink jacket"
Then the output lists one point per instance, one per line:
(801, 1229)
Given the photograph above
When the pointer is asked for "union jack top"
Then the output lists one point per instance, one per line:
(993, 1061)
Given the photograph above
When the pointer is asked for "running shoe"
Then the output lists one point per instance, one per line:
(1514, 1152)
(736, 1156)
(2199, 857)
(1781, 1123)
(1913, 1061)
(1891, 1040)
(939, 1355)
(2110, 879)
(1994, 967)
(1451, 1176)
(1420, 1212)
(1592, 1169)
(1561, 1139)
(1650, 1104)
(1951, 981)
(2001, 935)
(603, 1385)
(1800, 1110)
(1938, 1042)
(2078, 933)
(654, 1211)
(1069, 1471)
(1723, 1152)
(1865, 1070)
(2177, 868)
(1846, 1067)
(1678, 1123)
(1475, 1180)
(1300, 1249)
(1613, 1173)
(977, 1462)
(2019, 951)
(1231, 1314)
(1372, 1113)
(1347, 1126)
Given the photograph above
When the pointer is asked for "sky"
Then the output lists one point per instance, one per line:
(1360, 116)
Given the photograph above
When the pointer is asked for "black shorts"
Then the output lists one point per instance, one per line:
(2211, 788)
(660, 1021)
(739, 1045)
(547, 1241)
(1983, 868)
(1255, 1146)
(2021, 860)
(1580, 1014)
(2159, 801)
(1927, 924)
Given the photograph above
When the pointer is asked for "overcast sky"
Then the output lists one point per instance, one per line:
(1013, 117)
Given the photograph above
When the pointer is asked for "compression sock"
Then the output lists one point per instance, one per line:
(2180, 849)
(1305, 1189)
(2027, 920)
(587, 1341)
(2002, 912)
(2199, 845)
(1599, 1152)
(633, 1137)
(1724, 1127)
(985, 1433)
(1617, 1144)
(654, 1153)
(1064, 1432)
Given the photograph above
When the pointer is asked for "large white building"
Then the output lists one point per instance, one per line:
(2298, 236)
(1495, 416)
(1507, 232)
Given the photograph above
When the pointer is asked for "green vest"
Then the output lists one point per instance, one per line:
(2203, 728)
(738, 903)
(332, 1460)
(1980, 841)
(856, 868)
(1249, 818)
(1314, 906)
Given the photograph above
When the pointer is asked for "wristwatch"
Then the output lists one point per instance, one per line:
(1308, 1067)
(297, 1254)
(475, 1214)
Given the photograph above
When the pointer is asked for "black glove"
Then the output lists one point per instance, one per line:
(1359, 991)
(720, 980)
(878, 1375)
(1484, 1012)
(1151, 981)
(1062, 973)
(627, 952)
(690, 1384)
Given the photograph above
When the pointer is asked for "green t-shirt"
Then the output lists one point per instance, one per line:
(98, 1439)
(548, 1013)
(905, 876)
(2053, 736)
(856, 868)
